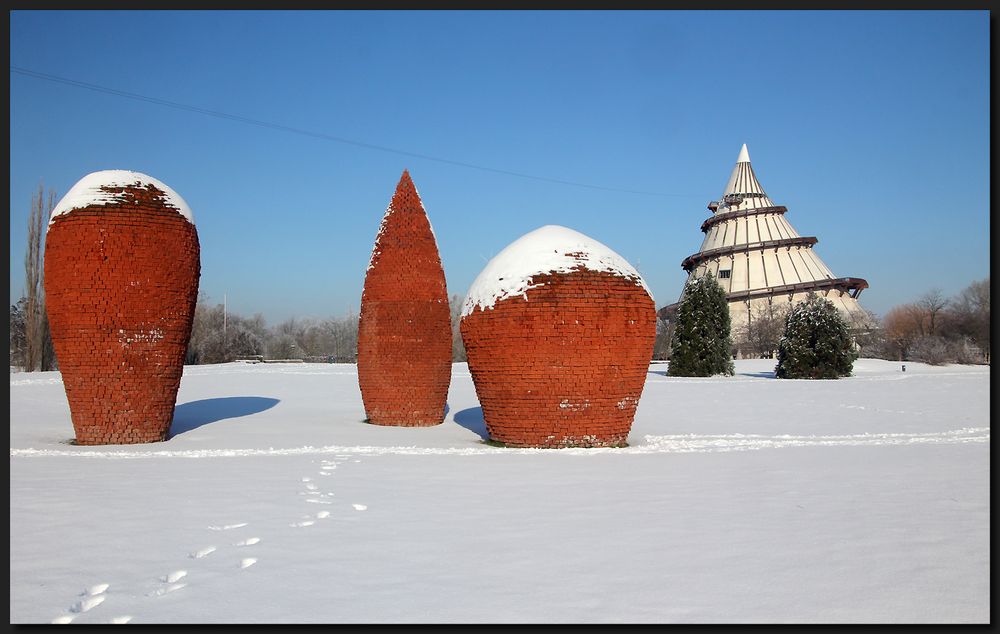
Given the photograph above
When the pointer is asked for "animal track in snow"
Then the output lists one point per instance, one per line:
(311, 486)
(227, 527)
(174, 576)
(328, 467)
(360, 507)
(247, 562)
(64, 619)
(323, 515)
(302, 524)
(311, 501)
(306, 479)
(120, 620)
(204, 552)
(247, 542)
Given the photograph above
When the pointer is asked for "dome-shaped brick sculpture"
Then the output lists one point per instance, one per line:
(559, 331)
(404, 329)
(122, 263)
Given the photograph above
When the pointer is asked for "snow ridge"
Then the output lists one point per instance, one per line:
(677, 443)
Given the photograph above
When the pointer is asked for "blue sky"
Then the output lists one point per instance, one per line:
(872, 127)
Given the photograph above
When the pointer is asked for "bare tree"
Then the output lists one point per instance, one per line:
(928, 311)
(35, 323)
(762, 333)
(457, 345)
(971, 315)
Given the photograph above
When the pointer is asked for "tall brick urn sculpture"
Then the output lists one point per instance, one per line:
(404, 329)
(559, 331)
(122, 262)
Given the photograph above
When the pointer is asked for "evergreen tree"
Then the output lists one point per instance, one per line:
(702, 345)
(816, 344)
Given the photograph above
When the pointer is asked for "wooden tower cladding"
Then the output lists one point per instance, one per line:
(122, 263)
(404, 329)
(559, 333)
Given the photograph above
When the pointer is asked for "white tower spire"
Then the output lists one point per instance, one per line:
(744, 156)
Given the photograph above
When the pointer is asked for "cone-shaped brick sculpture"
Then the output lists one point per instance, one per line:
(559, 331)
(404, 330)
(122, 263)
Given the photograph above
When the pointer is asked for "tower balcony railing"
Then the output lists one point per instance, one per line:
(729, 215)
(694, 260)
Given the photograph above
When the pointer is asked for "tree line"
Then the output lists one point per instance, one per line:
(933, 329)
(219, 336)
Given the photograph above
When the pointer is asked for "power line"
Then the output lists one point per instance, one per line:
(309, 133)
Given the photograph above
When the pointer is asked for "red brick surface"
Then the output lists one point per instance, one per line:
(565, 368)
(121, 283)
(404, 329)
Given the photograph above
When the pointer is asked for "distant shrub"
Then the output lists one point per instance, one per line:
(816, 344)
(701, 343)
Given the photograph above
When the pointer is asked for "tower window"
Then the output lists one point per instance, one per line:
(724, 274)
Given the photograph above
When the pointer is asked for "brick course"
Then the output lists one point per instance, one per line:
(121, 283)
(404, 327)
(565, 368)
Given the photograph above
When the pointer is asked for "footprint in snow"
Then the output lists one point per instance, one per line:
(306, 479)
(312, 501)
(227, 527)
(360, 507)
(328, 467)
(93, 597)
(247, 562)
(323, 515)
(176, 575)
(95, 590)
(306, 522)
(121, 620)
(171, 580)
(159, 592)
(311, 486)
(204, 552)
(247, 542)
(87, 604)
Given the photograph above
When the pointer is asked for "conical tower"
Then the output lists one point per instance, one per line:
(759, 258)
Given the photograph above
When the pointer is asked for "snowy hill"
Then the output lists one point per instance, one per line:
(741, 499)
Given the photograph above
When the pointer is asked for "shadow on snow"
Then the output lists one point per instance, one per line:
(193, 415)
(472, 419)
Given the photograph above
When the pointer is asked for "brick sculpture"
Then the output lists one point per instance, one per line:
(559, 333)
(404, 329)
(122, 263)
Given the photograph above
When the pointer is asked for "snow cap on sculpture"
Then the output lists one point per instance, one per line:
(548, 249)
(107, 187)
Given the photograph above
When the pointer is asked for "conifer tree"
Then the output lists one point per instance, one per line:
(816, 344)
(702, 344)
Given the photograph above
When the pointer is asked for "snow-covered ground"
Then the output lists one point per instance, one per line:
(740, 499)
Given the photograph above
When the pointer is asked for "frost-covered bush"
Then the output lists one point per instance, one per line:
(816, 344)
(701, 344)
